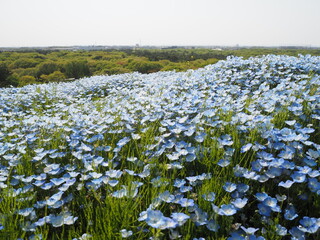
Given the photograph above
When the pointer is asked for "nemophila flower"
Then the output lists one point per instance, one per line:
(242, 188)
(185, 189)
(25, 212)
(239, 203)
(1, 227)
(280, 230)
(264, 210)
(297, 234)
(120, 193)
(57, 181)
(246, 148)
(290, 213)
(223, 162)
(313, 154)
(290, 123)
(236, 236)
(167, 197)
(212, 225)
(225, 140)
(200, 138)
(85, 236)
(249, 230)
(190, 157)
(314, 173)
(185, 202)
(273, 172)
(209, 196)
(239, 171)
(125, 233)
(281, 198)
(261, 196)
(229, 187)
(298, 177)
(309, 162)
(199, 217)
(256, 166)
(174, 234)
(251, 175)
(265, 156)
(154, 218)
(286, 184)
(179, 182)
(227, 210)
(180, 218)
(314, 185)
(288, 153)
(308, 225)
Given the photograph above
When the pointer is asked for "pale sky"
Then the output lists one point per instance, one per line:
(159, 22)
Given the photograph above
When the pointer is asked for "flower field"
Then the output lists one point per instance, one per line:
(229, 151)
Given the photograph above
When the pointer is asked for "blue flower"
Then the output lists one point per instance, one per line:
(298, 177)
(180, 218)
(227, 210)
(239, 203)
(249, 230)
(242, 188)
(246, 148)
(261, 196)
(286, 184)
(297, 234)
(236, 236)
(314, 185)
(280, 230)
(270, 202)
(308, 225)
(185, 202)
(264, 210)
(290, 213)
(213, 226)
(229, 187)
(223, 162)
(154, 218)
(125, 233)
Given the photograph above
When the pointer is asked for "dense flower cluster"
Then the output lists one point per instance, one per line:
(261, 115)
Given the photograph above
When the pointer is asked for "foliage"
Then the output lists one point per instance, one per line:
(76, 69)
(25, 80)
(56, 76)
(47, 68)
(5, 79)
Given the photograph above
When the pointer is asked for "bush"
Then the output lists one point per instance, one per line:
(25, 80)
(24, 63)
(77, 69)
(144, 66)
(47, 68)
(4, 75)
(56, 76)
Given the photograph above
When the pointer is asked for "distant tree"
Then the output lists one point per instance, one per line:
(76, 69)
(143, 66)
(24, 63)
(5, 74)
(56, 76)
(25, 80)
(47, 68)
